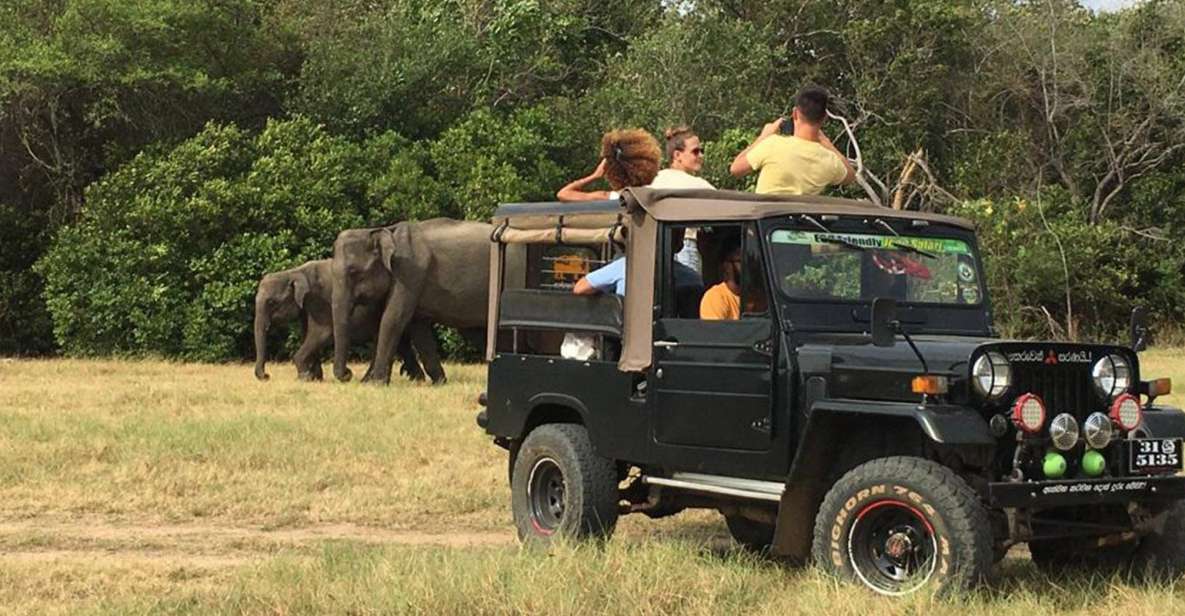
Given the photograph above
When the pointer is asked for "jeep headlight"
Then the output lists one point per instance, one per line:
(1112, 375)
(991, 374)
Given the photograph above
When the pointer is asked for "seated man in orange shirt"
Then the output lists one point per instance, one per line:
(723, 301)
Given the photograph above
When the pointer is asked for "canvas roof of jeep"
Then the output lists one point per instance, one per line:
(634, 219)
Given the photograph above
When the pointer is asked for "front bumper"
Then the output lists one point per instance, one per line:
(1065, 492)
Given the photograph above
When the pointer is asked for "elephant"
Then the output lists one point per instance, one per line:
(436, 269)
(305, 291)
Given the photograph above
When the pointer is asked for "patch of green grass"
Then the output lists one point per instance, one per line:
(180, 441)
(156, 443)
(669, 577)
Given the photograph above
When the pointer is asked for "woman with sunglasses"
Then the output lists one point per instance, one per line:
(685, 154)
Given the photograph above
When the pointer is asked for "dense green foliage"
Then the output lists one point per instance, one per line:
(159, 156)
(168, 250)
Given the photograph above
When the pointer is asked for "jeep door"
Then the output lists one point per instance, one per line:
(711, 383)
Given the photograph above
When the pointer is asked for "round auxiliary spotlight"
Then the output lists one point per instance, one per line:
(1126, 412)
(1098, 430)
(1063, 430)
(1028, 413)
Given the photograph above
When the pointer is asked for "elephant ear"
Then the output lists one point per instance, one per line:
(386, 241)
(410, 248)
(300, 288)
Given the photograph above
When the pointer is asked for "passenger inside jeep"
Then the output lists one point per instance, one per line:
(722, 301)
(733, 276)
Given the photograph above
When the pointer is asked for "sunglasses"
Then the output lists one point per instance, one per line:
(697, 151)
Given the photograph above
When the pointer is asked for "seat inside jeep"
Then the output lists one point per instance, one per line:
(539, 320)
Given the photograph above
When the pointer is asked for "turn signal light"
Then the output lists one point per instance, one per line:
(1160, 387)
(930, 384)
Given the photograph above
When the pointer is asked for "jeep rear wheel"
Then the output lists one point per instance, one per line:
(560, 488)
(897, 525)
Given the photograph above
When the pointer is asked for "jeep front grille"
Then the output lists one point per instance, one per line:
(1065, 388)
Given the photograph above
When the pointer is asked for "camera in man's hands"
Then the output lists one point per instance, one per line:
(787, 126)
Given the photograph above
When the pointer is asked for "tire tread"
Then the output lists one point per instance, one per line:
(964, 514)
(597, 481)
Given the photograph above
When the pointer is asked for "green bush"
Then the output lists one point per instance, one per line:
(25, 326)
(455, 346)
(1107, 269)
(170, 247)
(487, 159)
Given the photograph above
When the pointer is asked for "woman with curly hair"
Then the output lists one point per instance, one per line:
(629, 157)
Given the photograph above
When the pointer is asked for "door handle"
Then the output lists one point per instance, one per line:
(665, 344)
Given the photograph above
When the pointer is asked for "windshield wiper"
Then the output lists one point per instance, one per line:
(913, 250)
(842, 242)
(876, 222)
(817, 224)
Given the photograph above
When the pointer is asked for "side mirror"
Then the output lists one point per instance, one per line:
(1139, 330)
(884, 321)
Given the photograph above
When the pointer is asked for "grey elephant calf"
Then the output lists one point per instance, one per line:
(305, 292)
(437, 269)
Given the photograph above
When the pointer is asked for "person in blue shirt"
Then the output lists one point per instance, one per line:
(610, 278)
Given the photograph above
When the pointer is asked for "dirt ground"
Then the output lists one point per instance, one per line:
(95, 540)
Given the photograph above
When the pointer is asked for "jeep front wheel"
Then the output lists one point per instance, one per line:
(899, 524)
(560, 488)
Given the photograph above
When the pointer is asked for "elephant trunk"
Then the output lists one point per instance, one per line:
(261, 325)
(341, 305)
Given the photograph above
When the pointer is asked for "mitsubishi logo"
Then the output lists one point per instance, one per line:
(1051, 358)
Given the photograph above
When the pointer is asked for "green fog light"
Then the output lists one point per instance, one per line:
(1054, 465)
(1093, 463)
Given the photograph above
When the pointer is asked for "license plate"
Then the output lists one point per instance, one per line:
(1154, 455)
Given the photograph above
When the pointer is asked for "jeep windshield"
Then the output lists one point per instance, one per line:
(858, 267)
(932, 271)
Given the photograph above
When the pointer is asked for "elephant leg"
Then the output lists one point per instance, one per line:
(420, 332)
(308, 356)
(410, 366)
(400, 307)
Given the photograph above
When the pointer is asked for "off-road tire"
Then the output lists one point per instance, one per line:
(943, 528)
(1161, 556)
(753, 535)
(560, 488)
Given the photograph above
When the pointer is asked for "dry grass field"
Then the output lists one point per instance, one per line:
(155, 487)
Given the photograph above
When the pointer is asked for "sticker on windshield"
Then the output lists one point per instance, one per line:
(966, 272)
(934, 245)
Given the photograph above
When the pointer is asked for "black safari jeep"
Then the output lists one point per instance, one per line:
(853, 406)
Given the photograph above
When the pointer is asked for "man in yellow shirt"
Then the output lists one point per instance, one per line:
(803, 163)
(723, 301)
